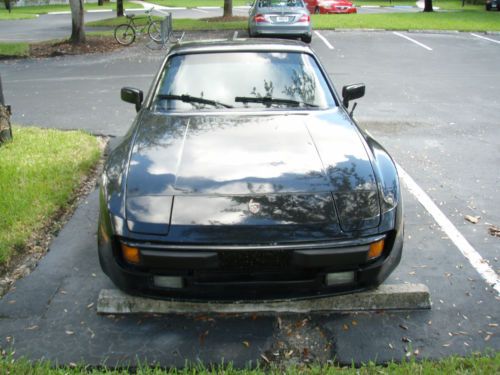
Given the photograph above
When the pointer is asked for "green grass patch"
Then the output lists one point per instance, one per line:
(467, 20)
(442, 4)
(20, 49)
(476, 364)
(197, 3)
(178, 24)
(115, 21)
(31, 11)
(39, 172)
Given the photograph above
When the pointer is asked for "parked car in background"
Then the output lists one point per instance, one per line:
(244, 176)
(281, 18)
(330, 6)
(492, 4)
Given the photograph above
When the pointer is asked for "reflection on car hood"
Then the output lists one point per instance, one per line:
(254, 156)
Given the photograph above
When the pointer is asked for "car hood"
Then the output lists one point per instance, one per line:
(223, 162)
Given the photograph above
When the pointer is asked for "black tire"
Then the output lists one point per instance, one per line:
(306, 38)
(316, 10)
(488, 6)
(154, 31)
(124, 34)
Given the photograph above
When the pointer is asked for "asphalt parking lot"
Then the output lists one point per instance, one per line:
(432, 100)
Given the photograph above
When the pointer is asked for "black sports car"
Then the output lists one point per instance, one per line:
(244, 176)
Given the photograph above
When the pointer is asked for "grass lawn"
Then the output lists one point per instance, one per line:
(467, 20)
(39, 172)
(477, 364)
(19, 49)
(31, 11)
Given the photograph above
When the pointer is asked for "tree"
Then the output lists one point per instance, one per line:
(228, 8)
(77, 31)
(119, 8)
(8, 5)
(428, 6)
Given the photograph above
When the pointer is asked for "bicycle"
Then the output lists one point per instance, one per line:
(167, 34)
(125, 33)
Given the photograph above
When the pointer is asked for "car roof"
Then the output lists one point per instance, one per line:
(243, 45)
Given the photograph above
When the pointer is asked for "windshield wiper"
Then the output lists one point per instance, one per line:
(268, 100)
(193, 99)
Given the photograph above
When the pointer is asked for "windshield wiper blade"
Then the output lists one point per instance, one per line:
(193, 99)
(268, 100)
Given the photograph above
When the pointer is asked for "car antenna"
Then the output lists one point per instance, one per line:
(353, 108)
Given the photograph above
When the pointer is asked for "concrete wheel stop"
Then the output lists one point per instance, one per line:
(385, 297)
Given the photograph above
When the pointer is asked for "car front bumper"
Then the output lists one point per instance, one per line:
(249, 274)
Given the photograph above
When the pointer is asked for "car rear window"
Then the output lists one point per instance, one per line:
(241, 80)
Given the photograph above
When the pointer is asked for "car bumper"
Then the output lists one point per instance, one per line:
(338, 11)
(281, 30)
(223, 274)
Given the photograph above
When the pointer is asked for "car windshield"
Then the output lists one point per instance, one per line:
(279, 3)
(262, 80)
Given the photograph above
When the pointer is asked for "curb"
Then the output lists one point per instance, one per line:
(385, 297)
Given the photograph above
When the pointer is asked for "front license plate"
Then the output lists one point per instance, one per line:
(282, 19)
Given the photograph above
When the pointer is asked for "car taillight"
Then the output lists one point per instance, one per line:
(259, 18)
(304, 18)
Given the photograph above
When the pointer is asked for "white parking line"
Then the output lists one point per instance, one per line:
(483, 37)
(412, 40)
(324, 40)
(474, 258)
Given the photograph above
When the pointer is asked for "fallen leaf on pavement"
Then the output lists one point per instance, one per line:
(32, 328)
(402, 326)
(202, 338)
(301, 323)
(487, 338)
(345, 327)
(89, 306)
(246, 344)
(70, 333)
(265, 358)
(472, 219)
(493, 325)
(494, 231)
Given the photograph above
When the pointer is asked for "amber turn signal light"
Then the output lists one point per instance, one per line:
(376, 249)
(131, 254)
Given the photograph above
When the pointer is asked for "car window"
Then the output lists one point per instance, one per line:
(263, 80)
(279, 3)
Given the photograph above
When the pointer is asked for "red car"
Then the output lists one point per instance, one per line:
(330, 6)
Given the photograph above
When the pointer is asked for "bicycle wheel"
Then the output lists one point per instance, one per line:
(154, 31)
(124, 34)
(176, 36)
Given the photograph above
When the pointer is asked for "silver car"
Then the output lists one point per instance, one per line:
(280, 18)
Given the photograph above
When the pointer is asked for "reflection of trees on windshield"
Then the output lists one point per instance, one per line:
(268, 88)
(303, 85)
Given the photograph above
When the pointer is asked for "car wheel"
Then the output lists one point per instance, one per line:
(488, 6)
(306, 38)
(317, 11)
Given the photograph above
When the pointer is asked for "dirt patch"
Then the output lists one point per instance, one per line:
(225, 19)
(93, 44)
(26, 259)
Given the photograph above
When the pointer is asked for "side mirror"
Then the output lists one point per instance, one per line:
(352, 92)
(134, 96)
